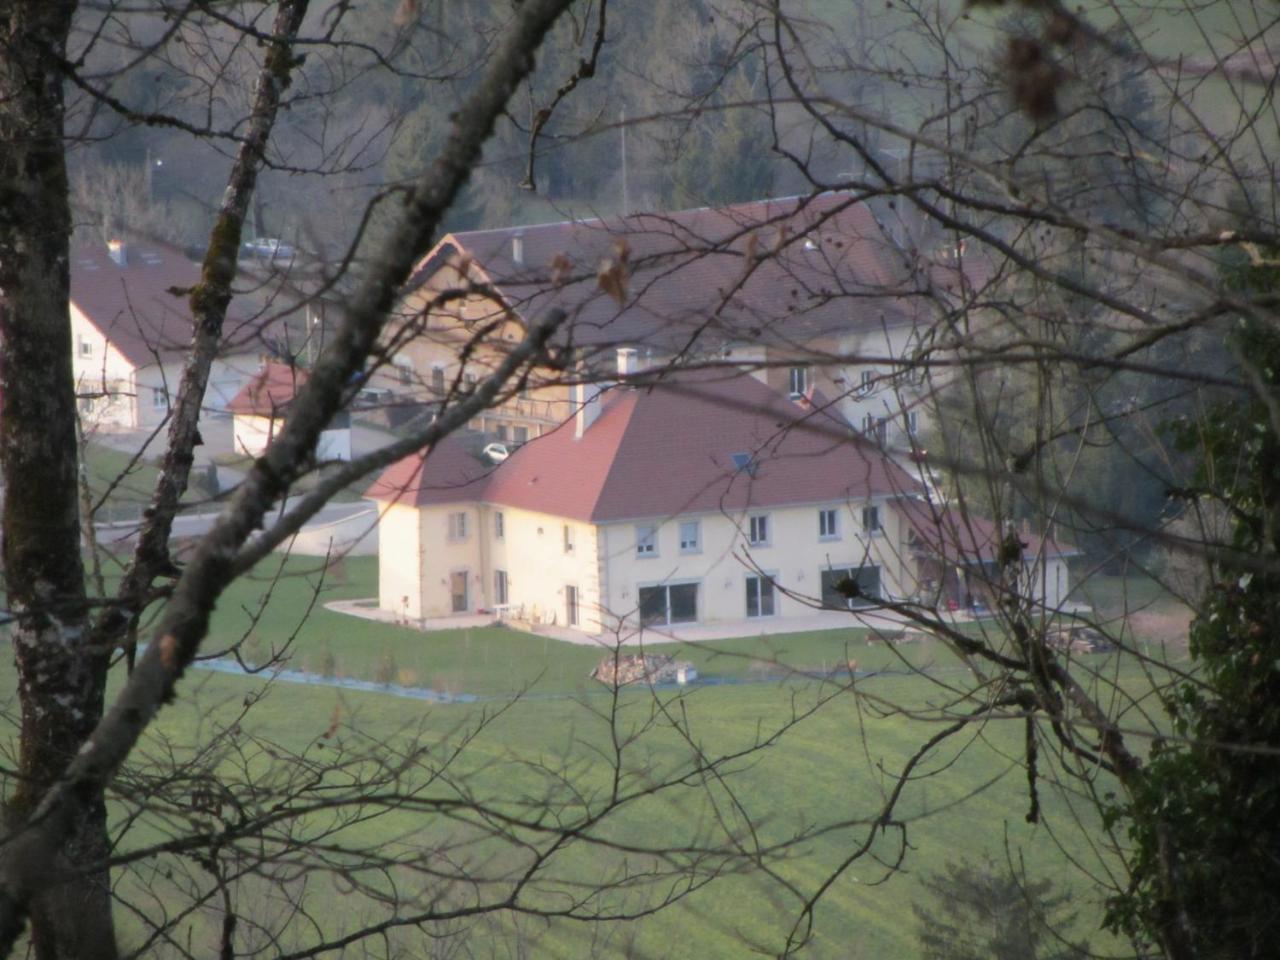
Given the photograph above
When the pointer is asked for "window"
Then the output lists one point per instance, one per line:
(646, 541)
(458, 526)
(502, 431)
(874, 427)
(499, 525)
(758, 530)
(913, 423)
(160, 399)
(499, 587)
(86, 404)
(848, 587)
(669, 603)
(571, 605)
(828, 524)
(458, 590)
(759, 596)
(745, 463)
(871, 520)
(798, 381)
(690, 536)
(406, 372)
(437, 380)
(867, 383)
(568, 538)
(86, 348)
(521, 435)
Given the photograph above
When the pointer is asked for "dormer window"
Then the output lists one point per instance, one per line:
(745, 463)
(798, 381)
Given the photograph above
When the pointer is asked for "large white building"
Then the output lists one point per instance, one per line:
(693, 499)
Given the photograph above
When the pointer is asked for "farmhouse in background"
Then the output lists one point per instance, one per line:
(131, 329)
(803, 293)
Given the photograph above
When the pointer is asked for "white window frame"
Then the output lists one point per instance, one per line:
(572, 605)
(913, 423)
(761, 582)
(798, 381)
(159, 398)
(872, 512)
(758, 530)
(646, 541)
(866, 382)
(666, 587)
(568, 538)
(86, 347)
(458, 526)
(829, 523)
(499, 525)
(694, 544)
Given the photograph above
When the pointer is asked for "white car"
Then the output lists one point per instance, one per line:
(496, 452)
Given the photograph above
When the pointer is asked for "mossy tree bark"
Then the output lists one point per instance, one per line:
(61, 678)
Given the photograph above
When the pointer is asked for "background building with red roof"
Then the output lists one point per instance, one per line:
(802, 292)
(259, 410)
(131, 329)
(696, 498)
(961, 559)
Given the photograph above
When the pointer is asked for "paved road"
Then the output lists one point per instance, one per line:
(198, 524)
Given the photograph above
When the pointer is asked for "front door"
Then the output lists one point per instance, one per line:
(458, 588)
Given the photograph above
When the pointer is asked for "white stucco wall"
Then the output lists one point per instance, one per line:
(99, 367)
(794, 558)
(250, 433)
(538, 567)
(890, 396)
(400, 560)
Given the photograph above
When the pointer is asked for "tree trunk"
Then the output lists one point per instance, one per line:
(61, 681)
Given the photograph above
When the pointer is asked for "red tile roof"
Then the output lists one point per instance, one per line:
(661, 450)
(784, 270)
(444, 473)
(270, 391)
(141, 307)
(968, 538)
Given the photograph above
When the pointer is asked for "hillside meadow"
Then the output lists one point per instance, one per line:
(548, 745)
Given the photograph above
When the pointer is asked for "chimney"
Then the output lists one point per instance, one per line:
(118, 252)
(517, 248)
(628, 362)
(588, 397)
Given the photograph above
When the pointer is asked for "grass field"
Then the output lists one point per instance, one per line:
(269, 607)
(555, 750)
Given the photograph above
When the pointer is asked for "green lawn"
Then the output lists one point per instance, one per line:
(969, 801)
(269, 608)
(121, 484)
(555, 752)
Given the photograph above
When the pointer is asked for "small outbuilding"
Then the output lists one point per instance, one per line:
(259, 411)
